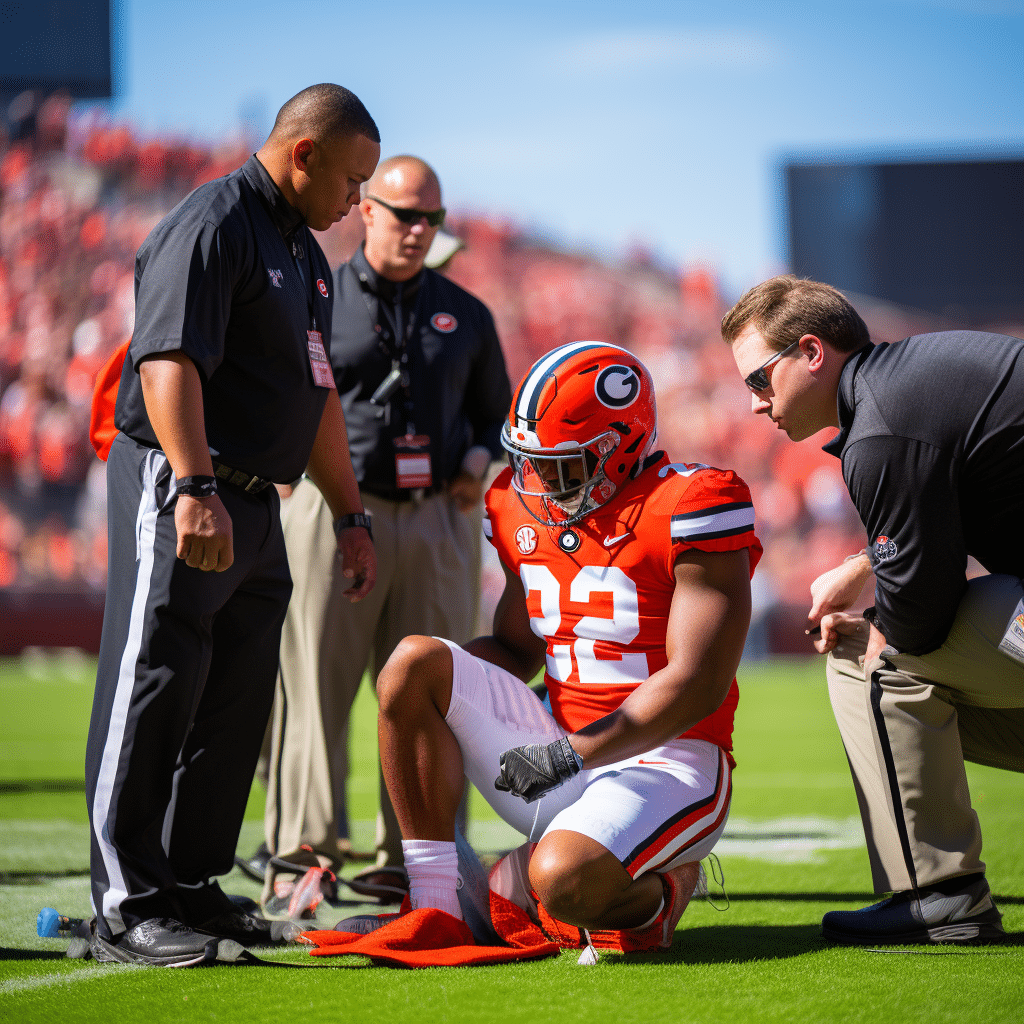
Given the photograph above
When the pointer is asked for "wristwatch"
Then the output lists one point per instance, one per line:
(353, 519)
(198, 486)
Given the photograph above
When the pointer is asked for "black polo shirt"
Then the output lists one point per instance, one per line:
(217, 280)
(460, 387)
(932, 445)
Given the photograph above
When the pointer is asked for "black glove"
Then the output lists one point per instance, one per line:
(533, 770)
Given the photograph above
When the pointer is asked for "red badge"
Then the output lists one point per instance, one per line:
(323, 288)
(444, 322)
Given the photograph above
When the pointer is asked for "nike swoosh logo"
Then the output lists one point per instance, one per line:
(609, 541)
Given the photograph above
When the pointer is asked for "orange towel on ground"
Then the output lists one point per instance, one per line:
(432, 938)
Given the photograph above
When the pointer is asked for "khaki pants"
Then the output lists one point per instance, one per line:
(428, 581)
(908, 724)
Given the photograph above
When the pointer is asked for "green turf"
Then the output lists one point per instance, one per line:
(794, 816)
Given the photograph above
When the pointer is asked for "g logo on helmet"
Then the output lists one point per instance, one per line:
(617, 387)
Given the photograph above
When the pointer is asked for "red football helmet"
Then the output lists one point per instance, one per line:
(582, 421)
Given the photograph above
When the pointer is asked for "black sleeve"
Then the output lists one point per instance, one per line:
(488, 391)
(906, 494)
(184, 296)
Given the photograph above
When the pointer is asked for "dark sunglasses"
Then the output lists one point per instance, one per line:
(435, 218)
(759, 379)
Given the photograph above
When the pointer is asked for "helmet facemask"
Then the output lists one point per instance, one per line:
(565, 482)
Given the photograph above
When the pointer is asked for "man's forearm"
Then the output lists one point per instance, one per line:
(330, 463)
(173, 395)
(657, 711)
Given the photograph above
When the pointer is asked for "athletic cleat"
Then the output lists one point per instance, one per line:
(680, 884)
(510, 878)
(966, 917)
(255, 865)
(388, 884)
(164, 942)
(247, 930)
(363, 924)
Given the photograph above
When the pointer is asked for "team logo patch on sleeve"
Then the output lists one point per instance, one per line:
(885, 548)
(526, 540)
(444, 322)
(710, 523)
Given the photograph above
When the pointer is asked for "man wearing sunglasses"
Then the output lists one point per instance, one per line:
(423, 384)
(931, 438)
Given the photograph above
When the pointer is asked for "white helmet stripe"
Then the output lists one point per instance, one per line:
(529, 393)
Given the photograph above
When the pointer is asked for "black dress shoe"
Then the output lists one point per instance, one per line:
(249, 930)
(255, 865)
(164, 942)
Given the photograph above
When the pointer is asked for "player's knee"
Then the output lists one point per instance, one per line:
(567, 891)
(415, 665)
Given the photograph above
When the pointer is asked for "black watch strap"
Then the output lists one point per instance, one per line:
(198, 486)
(353, 519)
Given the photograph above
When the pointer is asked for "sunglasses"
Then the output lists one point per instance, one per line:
(434, 218)
(759, 379)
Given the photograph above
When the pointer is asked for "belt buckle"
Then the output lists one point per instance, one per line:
(255, 485)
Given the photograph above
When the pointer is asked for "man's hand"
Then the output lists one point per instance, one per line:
(205, 539)
(837, 589)
(835, 626)
(876, 641)
(358, 561)
(533, 770)
(466, 491)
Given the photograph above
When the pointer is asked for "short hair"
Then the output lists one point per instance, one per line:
(324, 112)
(783, 309)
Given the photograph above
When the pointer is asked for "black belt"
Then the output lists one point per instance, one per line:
(235, 477)
(400, 493)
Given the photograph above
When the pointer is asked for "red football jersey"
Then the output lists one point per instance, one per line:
(599, 592)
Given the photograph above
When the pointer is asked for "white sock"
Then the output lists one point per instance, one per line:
(433, 867)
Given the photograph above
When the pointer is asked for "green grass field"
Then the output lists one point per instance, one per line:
(792, 851)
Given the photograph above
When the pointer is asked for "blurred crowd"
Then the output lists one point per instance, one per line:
(77, 197)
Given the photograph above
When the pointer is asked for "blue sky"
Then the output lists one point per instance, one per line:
(603, 123)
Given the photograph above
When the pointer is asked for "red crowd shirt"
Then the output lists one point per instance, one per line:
(603, 606)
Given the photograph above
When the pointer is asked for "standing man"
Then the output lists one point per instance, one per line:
(226, 390)
(423, 383)
(931, 438)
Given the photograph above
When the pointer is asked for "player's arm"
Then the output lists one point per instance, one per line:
(330, 468)
(707, 627)
(173, 395)
(513, 645)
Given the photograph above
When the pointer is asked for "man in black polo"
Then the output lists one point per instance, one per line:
(423, 383)
(226, 389)
(931, 438)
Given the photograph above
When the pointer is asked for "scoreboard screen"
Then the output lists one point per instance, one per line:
(943, 237)
(56, 44)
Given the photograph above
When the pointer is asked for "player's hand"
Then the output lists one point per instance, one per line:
(205, 537)
(466, 491)
(358, 561)
(835, 626)
(534, 770)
